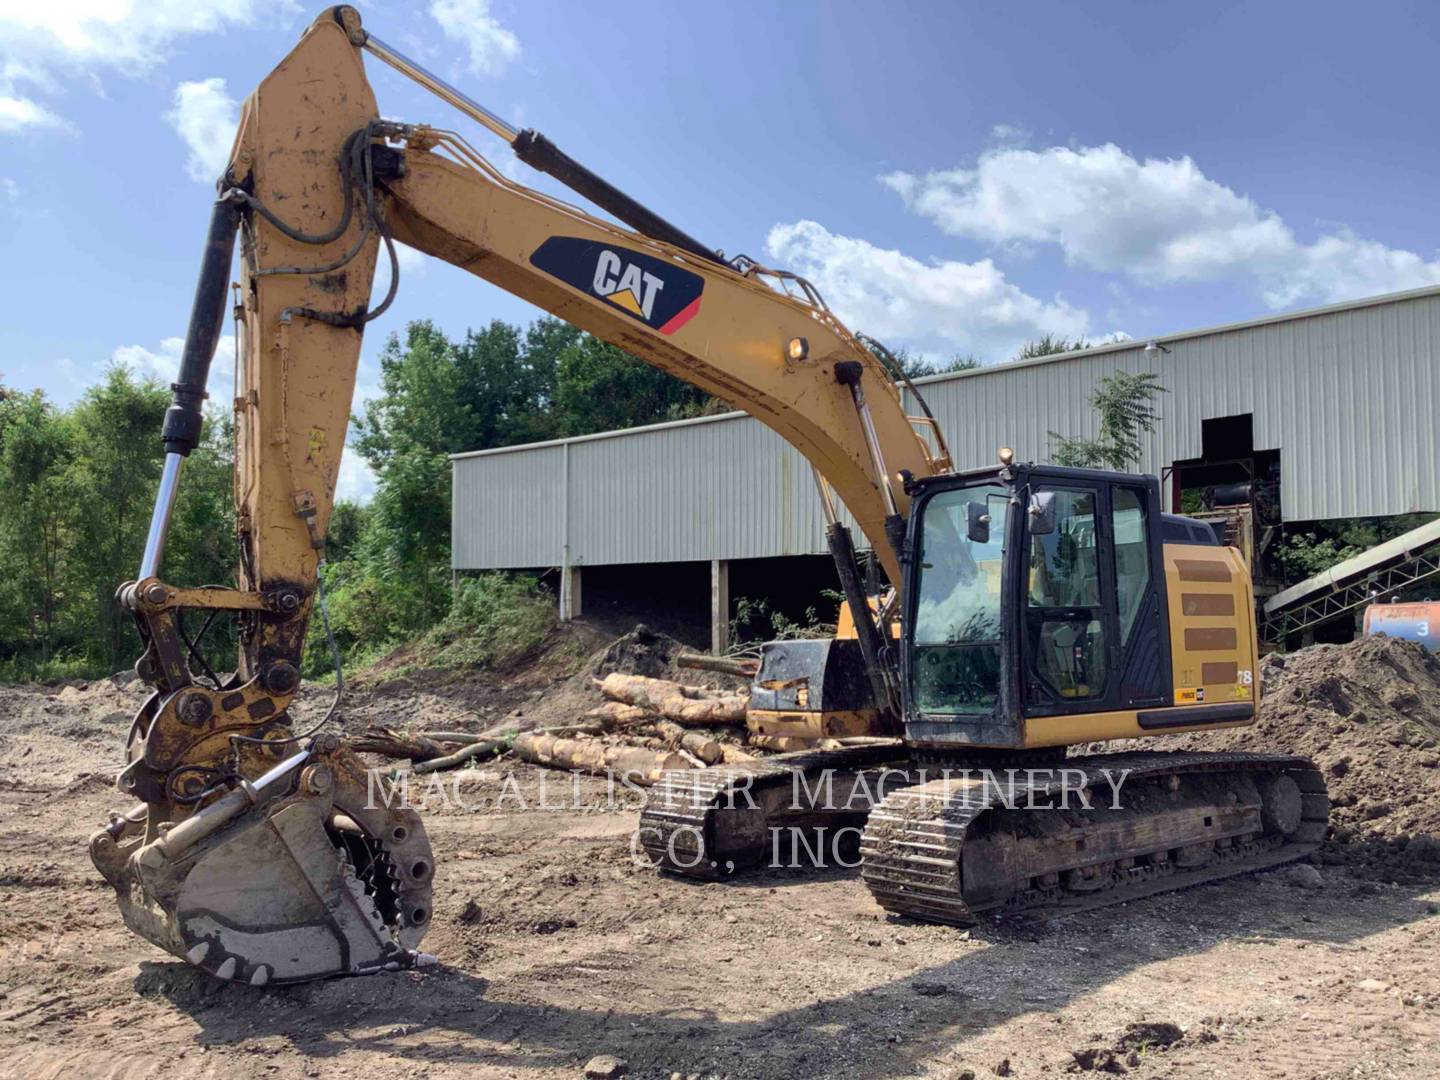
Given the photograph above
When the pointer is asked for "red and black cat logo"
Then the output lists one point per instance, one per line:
(661, 294)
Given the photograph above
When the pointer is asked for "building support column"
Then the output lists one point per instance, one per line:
(719, 606)
(570, 605)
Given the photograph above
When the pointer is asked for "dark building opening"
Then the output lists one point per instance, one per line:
(1235, 489)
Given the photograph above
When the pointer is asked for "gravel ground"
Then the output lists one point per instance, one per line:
(555, 947)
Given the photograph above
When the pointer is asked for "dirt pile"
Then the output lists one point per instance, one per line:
(1369, 714)
(642, 651)
(54, 736)
(549, 687)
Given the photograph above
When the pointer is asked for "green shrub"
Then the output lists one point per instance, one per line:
(30, 669)
(493, 618)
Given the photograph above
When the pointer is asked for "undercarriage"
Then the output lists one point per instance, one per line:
(950, 843)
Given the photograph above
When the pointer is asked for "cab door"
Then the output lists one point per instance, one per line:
(1091, 598)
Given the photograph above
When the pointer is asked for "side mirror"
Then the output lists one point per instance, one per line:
(1042, 513)
(977, 524)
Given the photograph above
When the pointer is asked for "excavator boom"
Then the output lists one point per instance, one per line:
(261, 853)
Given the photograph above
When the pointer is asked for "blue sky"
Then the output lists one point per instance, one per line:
(955, 177)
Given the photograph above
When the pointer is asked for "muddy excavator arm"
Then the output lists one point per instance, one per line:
(265, 855)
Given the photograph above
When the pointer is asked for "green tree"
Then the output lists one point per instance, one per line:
(425, 412)
(1124, 402)
(958, 362)
(1050, 345)
(202, 548)
(915, 367)
(347, 523)
(112, 481)
(35, 450)
(507, 381)
(1302, 555)
(599, 387)
(1322, 544)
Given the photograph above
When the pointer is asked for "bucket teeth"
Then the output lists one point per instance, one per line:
(198, 953)
(261, 976)
(227, 969)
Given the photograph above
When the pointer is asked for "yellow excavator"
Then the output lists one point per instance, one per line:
(1029, 608)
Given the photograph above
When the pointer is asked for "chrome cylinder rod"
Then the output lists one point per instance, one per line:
(827, 497)
(440, 88)
(217, 815)
(160, 518)
(872, 441)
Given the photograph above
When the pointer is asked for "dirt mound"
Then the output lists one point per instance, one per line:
(550, 686)
(53, 738)
(642, 651)
(1369, 714)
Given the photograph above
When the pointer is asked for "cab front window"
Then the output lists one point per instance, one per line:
(956, 636)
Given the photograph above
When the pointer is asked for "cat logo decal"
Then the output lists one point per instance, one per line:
(658, 292)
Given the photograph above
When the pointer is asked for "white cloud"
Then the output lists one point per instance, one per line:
(205, 115)
(9, 188)
(1342, 266)
(489, 46)
(1009, 135)
(357, 480)
(68, 40)
(18, 114)
(941, 307)
(132, 36)
(163, 362)
(1159, 221)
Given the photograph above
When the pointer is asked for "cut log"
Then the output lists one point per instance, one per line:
(588, 727)
(734, 755)
(459, 757)
(693, 742)
(397, 744)
(688, 705)
(463, 738)
(591, 755)
(616, 714)
(726, 664)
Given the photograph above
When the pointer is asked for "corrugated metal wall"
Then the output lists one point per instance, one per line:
(1348, 395)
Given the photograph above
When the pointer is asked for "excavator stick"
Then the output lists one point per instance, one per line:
(253, 852)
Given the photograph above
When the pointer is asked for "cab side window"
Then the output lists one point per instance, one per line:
(1064, 622)
(1132, 555)
(1065, 564)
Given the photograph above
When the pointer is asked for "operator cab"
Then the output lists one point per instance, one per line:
(1032, 591)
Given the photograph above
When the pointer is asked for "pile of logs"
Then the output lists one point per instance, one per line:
(673, 718)
(643, 728)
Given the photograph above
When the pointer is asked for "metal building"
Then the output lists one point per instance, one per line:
(1326, 413)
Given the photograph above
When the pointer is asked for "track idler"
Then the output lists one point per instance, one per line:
(293, 876)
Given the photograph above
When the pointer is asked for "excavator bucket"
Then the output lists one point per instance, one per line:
(298, 876)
